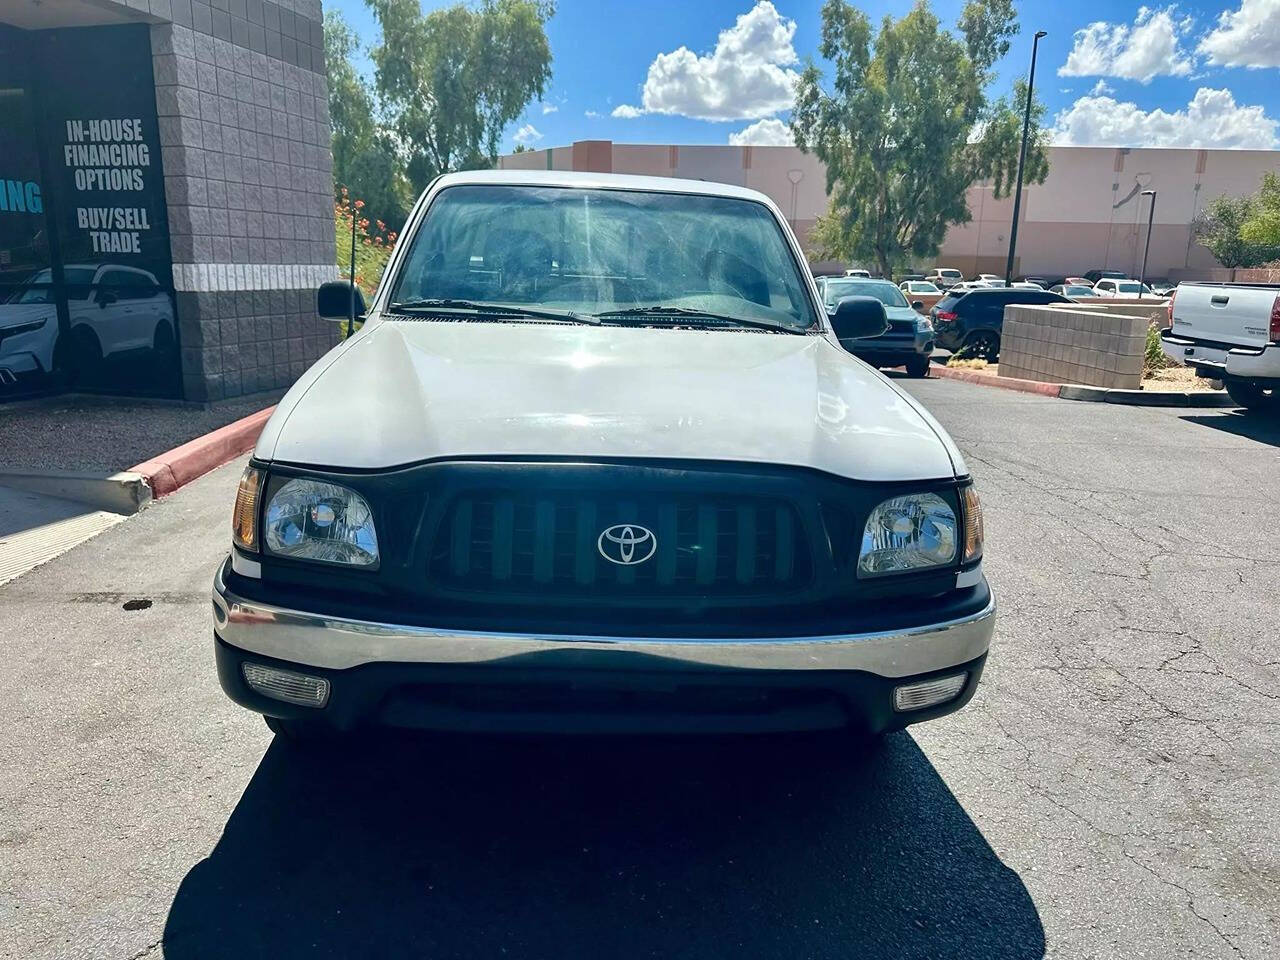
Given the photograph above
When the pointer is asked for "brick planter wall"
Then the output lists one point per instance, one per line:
(1069, 345)
(1155, 311)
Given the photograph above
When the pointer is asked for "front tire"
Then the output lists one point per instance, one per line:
(917, 367)
(1253, 397)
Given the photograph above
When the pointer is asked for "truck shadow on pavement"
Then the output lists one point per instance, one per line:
(1259, 427)
(779, 847)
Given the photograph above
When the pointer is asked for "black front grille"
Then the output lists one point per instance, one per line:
(742, 550)
(547, 544)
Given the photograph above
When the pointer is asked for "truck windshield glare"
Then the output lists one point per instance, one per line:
(602, 251)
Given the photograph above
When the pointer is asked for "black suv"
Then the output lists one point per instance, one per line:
(973, 319)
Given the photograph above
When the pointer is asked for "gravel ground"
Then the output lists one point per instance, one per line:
(1178, 380)
(87, 433)
(1169, 380)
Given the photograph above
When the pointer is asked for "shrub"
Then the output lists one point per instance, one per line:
(1154, 358)
(374, 243)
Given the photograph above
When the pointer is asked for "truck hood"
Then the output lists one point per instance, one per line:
(406, 391)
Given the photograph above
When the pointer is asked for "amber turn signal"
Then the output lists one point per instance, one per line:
(244, 519)
(972, 523)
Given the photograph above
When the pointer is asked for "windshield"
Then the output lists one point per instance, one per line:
(886, 293)
(949, 273)
(600, 251)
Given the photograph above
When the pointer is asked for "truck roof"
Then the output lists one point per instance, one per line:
(601, 181)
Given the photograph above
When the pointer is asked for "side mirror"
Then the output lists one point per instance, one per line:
(106, 298)
(917, 304)
(858, 317)
(333, 300)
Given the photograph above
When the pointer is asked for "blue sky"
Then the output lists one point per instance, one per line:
(715, 71)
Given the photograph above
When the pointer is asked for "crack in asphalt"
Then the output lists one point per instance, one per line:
(1144, 552)
(1121, 839)
(147, 950)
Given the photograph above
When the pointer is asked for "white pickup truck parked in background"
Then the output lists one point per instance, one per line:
(1229, 332)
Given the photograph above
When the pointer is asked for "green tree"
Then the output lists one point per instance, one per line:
(364, 156)
(907, 127)
(452, 80)
(377, 176)
(350, 99)
(1262, 228)
(1220, 228)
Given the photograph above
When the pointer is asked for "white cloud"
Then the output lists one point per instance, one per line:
(747, 76)
(1101, 88)
(626, 111)
(1151, 47)
(1211, 119)
(591, 115)
(1248, 37)
(549, 108)
(770, 132)
(527, 134)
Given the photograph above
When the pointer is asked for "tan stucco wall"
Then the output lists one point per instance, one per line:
(1088, 214)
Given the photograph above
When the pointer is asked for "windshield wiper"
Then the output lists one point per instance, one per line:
(673, 311)
(497, 309)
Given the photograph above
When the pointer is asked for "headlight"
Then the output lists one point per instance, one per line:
(914, 532)
(28, 327)
(924, 325)
(315, 520)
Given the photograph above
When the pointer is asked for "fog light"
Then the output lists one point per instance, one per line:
(286, 685)
(930, 693)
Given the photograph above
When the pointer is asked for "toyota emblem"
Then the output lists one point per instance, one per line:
(626, 544)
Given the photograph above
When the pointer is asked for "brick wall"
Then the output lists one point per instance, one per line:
(243, 110)
(1067, 345)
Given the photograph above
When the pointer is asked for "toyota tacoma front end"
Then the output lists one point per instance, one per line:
(596, 461)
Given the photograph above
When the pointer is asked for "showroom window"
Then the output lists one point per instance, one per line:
(86, 289)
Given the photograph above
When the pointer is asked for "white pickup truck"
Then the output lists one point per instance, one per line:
(598, 460)
(1229, 332)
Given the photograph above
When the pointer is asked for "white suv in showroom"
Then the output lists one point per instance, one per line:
(596, 460)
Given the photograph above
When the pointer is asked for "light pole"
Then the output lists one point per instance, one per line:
(1151, 216)
(1022, 157)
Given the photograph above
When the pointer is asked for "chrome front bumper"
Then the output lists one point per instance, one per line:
(337, 643)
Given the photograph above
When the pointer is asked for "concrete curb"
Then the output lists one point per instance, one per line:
(1069, 391)
(1146, 398)
(989, 380)
(124, 493)
(176, 468)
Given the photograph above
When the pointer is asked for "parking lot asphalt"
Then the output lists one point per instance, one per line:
(1112, 791)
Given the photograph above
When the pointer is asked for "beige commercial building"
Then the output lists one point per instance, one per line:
(1088, 214)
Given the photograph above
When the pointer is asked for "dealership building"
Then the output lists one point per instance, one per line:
(1090, 213)
(166, 198)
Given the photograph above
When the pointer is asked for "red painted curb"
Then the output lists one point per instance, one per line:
(990, 380)
(177, 467)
